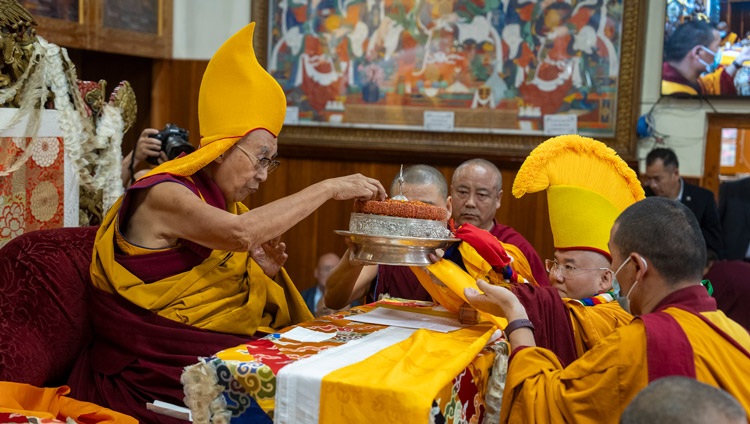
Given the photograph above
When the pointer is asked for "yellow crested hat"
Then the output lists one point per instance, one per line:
(588, 186)
(236, 97)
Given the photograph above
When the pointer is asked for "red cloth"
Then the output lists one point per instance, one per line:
(138, 357)
(486, 244)
(553, 329)
(731, 282)
(508, 235)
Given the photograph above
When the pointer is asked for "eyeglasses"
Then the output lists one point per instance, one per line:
(259, 163)
(567, 271)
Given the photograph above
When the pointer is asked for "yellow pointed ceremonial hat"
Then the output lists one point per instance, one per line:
(588, 185)
(237, 96)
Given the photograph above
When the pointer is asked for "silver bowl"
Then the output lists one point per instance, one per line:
(392, 250)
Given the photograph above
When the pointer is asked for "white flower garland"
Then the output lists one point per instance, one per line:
(95, 151)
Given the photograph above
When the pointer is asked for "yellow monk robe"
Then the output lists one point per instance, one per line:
(593, 323)
(399, 383)
(227, 293)
(51, 403)
(447, 288)
(597, 387)
(710, 84)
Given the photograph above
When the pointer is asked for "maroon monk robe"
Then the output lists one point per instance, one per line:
(552, 327)
(398, 281)
(137, 356)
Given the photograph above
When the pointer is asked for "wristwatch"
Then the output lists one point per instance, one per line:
(737, 64)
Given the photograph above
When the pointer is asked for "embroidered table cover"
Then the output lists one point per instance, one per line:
(236, 383)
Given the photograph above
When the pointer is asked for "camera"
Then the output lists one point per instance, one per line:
(174, 141)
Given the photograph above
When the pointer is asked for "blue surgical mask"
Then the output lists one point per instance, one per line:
(710, 67)
(624, 301)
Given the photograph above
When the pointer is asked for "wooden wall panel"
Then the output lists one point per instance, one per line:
(113, 68)
(175, 94)
(90, 33)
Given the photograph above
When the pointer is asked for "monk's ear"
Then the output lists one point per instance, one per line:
(605, 282)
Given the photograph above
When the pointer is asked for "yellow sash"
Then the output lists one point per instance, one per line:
(669, 87)
(447, 286)
(399, 383)
(228, 292)
(52, 403)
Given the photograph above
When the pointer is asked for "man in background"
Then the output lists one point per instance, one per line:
(477, 190)
(734, 213)
(314, 295)
(663, 179)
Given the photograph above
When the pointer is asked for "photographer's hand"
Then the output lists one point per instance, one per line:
(146, 147)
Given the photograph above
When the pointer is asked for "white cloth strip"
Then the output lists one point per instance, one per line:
(298, 384)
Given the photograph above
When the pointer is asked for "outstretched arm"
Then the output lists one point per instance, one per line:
(348, 281)
(169, 211)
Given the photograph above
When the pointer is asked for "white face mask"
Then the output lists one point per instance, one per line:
(624, 301)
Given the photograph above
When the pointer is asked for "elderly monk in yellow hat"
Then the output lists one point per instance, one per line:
(181, 268)
(587, 185)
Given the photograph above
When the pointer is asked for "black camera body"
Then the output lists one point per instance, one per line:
(174, 141)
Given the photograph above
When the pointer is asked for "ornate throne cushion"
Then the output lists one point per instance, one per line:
(44, 319)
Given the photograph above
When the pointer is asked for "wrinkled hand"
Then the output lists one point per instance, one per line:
(496, 300)
(356, 186)
(270, 256)
(149, 147)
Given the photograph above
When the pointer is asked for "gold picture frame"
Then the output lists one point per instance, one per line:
(359, 142)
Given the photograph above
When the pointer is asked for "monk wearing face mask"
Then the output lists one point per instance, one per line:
(692, 59)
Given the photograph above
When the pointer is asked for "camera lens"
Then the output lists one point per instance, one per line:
(175, 146)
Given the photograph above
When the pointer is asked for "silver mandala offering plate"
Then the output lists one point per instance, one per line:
(395, 241)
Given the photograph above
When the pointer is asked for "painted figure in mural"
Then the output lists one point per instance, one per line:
(540, 56)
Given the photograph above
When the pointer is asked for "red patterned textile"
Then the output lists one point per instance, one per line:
(44, 320)
(32, 192)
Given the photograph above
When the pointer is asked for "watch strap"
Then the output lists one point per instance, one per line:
(516, 324)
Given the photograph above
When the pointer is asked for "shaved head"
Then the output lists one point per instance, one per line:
(481, 163)
(423, 175)
(683, 400)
